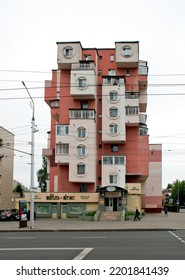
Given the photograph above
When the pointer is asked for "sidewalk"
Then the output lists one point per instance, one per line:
(172, 221)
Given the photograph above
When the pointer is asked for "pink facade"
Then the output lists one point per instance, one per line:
(99, 136)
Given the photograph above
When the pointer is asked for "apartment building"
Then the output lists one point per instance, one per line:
(99, 142)
(6, 169)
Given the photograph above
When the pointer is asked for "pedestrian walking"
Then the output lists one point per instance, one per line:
(165, 210)
(137, 215)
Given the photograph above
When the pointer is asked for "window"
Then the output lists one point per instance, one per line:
(82, 82)
(62, 148)
(83, 187)
(113, 179)
(68, 52)
(143, 130)
(81, 151)
(84, 104)
(81, 132)
(131, 95)
(108, 160)
(127, 51)
(84, 66)
(119, 160)
(113, 96)
(142, 70)
(132, 110)
(81, 169)
(62, 130)
(113, 128)
(127, 72)
(54, 104)
(112, 72)
(113, 160)
(114, 148)
(113, 112)
(111, 57)
(87, 57)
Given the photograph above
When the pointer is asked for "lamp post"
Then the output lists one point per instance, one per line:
(32, 161)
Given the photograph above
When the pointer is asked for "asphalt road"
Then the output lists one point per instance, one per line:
(99, 245)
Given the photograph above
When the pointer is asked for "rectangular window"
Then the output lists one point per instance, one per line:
(113, 112)
(81, 132)
(113, 160)
(112, 72)
(132, 110)
(131, 95)
(142, 70)
(111, 57)
(113, 128)
(62, 130)
(114, 148)
(81, 169)
(84, 104)
(83, 187)
(113, 96)
(81, 150)
(62, 148)
(82, 82)
(87, 57)
(113, 179)
(119, 160)
(54, 104)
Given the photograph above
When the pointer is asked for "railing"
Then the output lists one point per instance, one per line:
(82, 114)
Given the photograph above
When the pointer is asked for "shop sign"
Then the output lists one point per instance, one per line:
(64, 197)
(134, 188)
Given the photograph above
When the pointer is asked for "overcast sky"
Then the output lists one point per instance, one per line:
(29, 31)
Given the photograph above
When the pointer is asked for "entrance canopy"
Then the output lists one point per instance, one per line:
(111, 189)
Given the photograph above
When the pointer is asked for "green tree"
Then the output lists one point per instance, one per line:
(19, 189)
(178, 192)
(42, 175)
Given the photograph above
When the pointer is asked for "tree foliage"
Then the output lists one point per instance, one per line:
(42, 175)
(19, 189)
(178, 191)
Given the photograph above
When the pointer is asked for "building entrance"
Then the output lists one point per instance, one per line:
(111, 204)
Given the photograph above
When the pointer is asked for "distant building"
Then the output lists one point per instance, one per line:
(6, 169)
(99, 138)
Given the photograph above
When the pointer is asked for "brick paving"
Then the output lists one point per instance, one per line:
(160, 221)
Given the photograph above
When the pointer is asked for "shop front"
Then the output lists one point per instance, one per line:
(62, 205)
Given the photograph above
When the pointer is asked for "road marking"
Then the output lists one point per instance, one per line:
(12, 238)
(80, 256)
(84, 253)
(89, 237)
(176, 236)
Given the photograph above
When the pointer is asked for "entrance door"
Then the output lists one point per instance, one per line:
(111, 204)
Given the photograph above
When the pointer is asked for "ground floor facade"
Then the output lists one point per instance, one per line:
(106, 199)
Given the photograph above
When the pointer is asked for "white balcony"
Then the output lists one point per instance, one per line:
(68, 53)
(83, 84)
(127, 54)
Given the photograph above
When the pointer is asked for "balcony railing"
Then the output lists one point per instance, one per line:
(114, 80)
(81, 114)
(84, 65)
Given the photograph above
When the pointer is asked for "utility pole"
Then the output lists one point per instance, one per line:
(32, 160)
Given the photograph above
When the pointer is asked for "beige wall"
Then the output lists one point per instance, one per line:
(6, 169)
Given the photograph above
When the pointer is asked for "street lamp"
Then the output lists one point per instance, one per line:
(32, 161)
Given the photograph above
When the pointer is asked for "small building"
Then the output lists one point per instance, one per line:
(6, 169)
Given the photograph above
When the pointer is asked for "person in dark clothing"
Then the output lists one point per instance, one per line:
(137, 214)
(165, 210)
